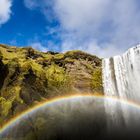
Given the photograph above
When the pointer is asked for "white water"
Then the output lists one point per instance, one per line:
(121, 78)
(121, 75)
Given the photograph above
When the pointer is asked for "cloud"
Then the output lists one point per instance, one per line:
(92, 47)
(102, 27)
(38, 46)
(5, 10)
(44, 6)
(113, 24)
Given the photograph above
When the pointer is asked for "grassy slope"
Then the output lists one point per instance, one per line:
(28, 76)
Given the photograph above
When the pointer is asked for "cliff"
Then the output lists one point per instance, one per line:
(28, 77)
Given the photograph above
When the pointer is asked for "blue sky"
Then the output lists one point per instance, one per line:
(26, 27)
(104, 28)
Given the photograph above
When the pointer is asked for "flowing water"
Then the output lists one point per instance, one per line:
(121, 79)
(121, 75)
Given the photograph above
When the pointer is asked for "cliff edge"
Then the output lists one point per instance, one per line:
(28, 77)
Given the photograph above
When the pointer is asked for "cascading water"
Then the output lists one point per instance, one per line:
(121, 75)
(121, 79)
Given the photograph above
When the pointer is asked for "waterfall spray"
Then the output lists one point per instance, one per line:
(121, 79)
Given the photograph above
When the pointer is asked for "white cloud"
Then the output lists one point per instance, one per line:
(5, 10)
(113, 24)
(38, 46)
(103, 27)
(92, 47)
(81, 14)
(44, 6)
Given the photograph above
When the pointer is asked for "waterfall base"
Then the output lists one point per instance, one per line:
(78, 118)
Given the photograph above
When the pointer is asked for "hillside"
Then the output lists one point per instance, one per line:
(28, 77)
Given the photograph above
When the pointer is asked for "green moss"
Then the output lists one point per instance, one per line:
(16, 94)
(89, 66)
(1, 55)
(2, 100)
(70, 60)
(79, 55)
(71, 53)
(56, 76)
(6, 54)
(5, 106)
(31, 64)
(37, 69)
(48, 57)
(12, 64)
(11, 95)
(97, 79)
(33, 76)
(59, 56)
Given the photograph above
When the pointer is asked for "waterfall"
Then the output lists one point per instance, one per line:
(121, 75)
(121, 79)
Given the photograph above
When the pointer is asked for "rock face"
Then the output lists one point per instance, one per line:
(28, 76)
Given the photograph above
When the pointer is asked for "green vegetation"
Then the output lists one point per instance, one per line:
(56, 76)
(28, 76)
(97, 79)
(59, 56)
(5, 106)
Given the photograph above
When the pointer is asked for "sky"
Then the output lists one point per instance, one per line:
(101, 27)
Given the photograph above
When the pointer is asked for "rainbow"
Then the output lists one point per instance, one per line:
(59, 99)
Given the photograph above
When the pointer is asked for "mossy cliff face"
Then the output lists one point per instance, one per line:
(28, 77)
